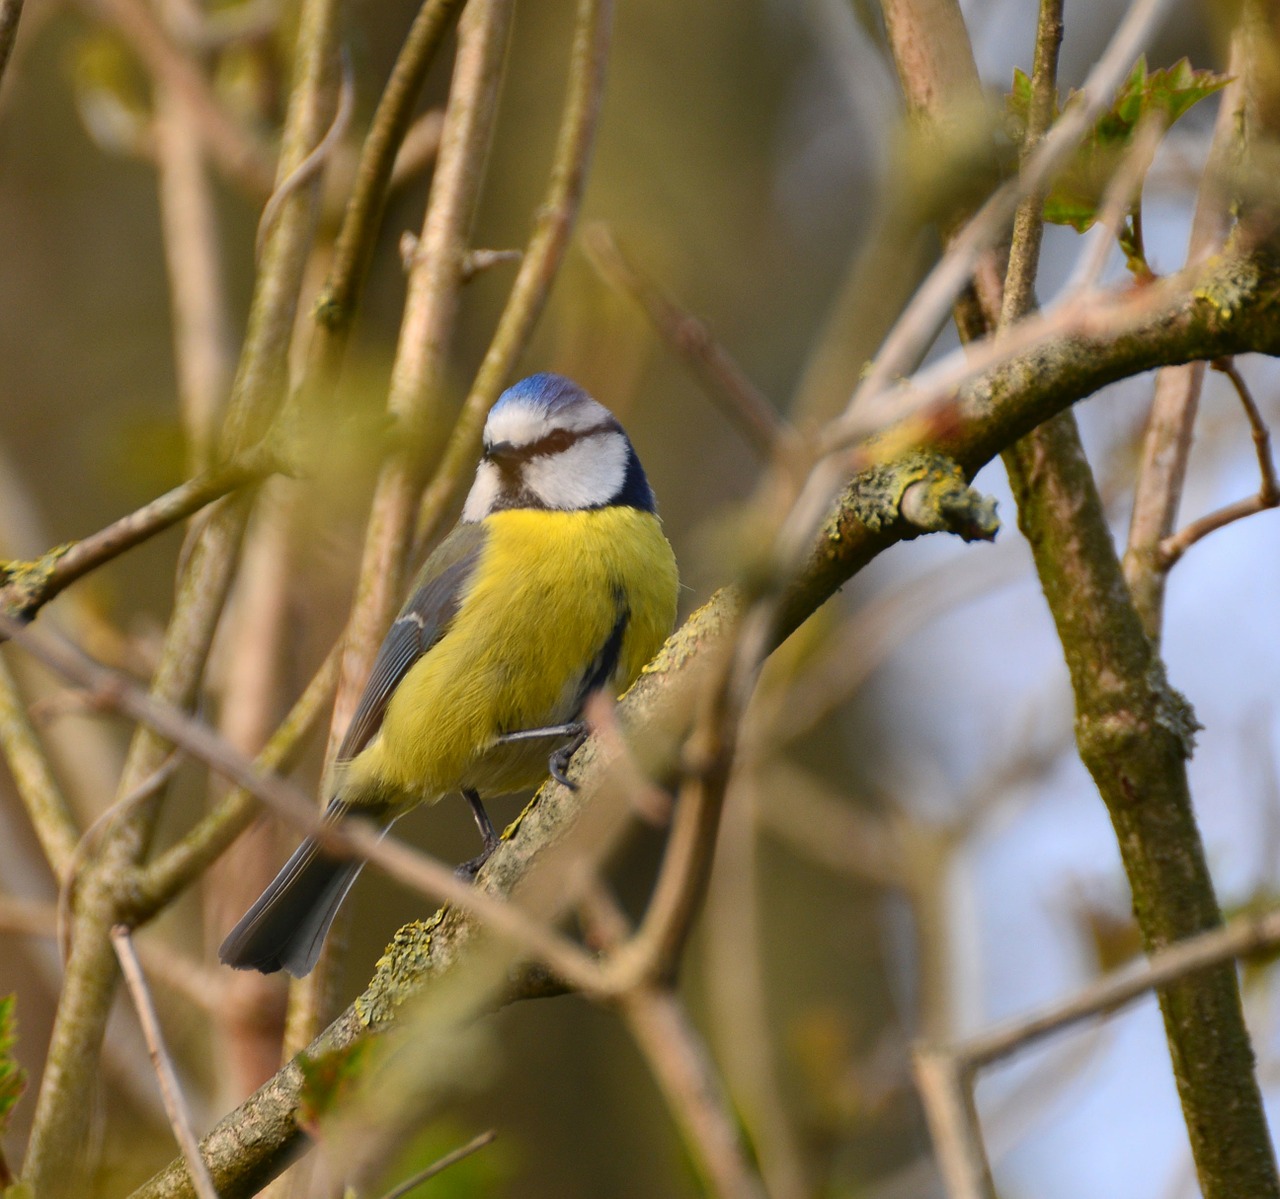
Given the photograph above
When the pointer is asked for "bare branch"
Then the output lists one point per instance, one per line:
(440, 1166)
(46, 806)
(253, 1142)
(1268, 496)
(352, 837)
(678, 1058)
(415, 400)
(946, 1088)
(388, 132)
(174, 1103)
(310, 167)
(932, 302)
(542, 256)
(692, 341)
(29, 585)
(159, 881)
(1166, 445)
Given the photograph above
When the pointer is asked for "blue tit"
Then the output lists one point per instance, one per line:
(556, 582)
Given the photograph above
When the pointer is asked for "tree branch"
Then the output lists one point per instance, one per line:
(692, 341)
(1268, 495)
(1134, 734)
(415, 400)
(27, 586)
(1166, 446)
(1228, 307)
(542, 256)
(57, 1141)
(46, 806)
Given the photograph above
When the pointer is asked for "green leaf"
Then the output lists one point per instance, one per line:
(1166, 94)
(13, 1078)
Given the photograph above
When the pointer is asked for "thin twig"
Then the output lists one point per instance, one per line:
(174, 1103)
(235, 150)
(988, 414)
(425, 332)
(438, 1167)
(202, 341)
(681, 1065)
(387, 133)
(28, 585)
(46, 805)
(542, 256)
(1269, 491)
(313, 163)
(1268, 495)
(1166, 445)
(93, 837)
(62, 1109)
(204, 987)
(254, 642)
(737, 981)
(652, 955)
(1028, 222)
(932, 302)
(415, 395)
(946, 1088)
(157, 883)
(689, 338)
(1241, 937)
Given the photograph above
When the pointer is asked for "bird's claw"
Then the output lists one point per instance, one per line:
(558, 762)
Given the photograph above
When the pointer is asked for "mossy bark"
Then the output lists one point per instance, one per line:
(255, 1142)
(1134, 734)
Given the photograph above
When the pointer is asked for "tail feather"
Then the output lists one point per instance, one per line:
(286, 927)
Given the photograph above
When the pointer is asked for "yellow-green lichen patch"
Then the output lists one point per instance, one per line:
(1229, 292)
(26, 581)
(399, 972)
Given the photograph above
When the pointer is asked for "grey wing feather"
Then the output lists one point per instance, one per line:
(423, 620)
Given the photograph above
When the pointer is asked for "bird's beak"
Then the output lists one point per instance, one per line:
(506, 455)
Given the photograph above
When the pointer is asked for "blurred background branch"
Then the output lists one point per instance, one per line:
(931, 865)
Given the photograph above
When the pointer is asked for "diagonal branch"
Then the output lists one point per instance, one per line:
(690, 338)
(29, 585)
(175, 1105)
(1226, 307)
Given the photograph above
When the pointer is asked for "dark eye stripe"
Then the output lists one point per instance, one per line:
(555, 442)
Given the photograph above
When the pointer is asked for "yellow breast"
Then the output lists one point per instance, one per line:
(545, 596)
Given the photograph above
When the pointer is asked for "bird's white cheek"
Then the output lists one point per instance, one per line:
(583, 476)
(483, 494)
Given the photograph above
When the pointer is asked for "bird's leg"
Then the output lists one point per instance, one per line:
(489, 835)
(558, 762)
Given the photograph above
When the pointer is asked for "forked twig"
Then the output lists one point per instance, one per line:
(1267, 496)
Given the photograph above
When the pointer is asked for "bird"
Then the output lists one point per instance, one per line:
(556, 582)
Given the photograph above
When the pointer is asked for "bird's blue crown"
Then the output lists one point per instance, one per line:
(546, 391)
